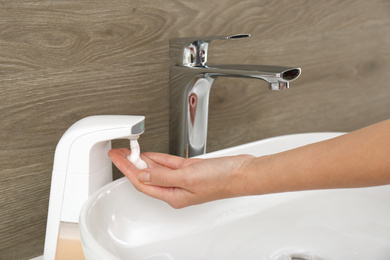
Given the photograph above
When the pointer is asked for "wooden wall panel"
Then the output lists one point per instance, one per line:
(61, 61)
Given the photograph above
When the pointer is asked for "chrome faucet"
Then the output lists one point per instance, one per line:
(190, 82)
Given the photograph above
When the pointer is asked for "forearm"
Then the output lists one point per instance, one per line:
(357, 159)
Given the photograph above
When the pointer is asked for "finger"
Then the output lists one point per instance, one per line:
(164, 177)
(125, 151)
(123, 164)
(116, 153)
(150, 163)
(170, 161)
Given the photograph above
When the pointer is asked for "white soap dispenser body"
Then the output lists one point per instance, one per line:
(82, 166)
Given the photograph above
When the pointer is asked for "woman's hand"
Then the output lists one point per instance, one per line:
(357, 159)
(183, 182)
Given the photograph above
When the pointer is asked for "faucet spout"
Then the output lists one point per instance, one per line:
(189, 90)
(278, 77)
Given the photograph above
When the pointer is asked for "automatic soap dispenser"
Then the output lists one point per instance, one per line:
(82, 166)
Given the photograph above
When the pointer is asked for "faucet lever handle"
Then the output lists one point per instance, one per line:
(192, 51)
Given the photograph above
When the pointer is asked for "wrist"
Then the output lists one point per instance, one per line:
(257, 176)
(245, 175)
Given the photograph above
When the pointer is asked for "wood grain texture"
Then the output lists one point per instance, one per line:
(61, 61)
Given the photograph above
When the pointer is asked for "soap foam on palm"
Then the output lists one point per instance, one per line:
(134, 157)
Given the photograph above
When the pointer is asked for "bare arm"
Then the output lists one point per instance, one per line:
(357, 159)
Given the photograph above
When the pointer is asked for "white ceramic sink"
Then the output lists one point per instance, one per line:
(118, 222)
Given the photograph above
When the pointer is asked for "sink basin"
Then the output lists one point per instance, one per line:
(118, 222)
